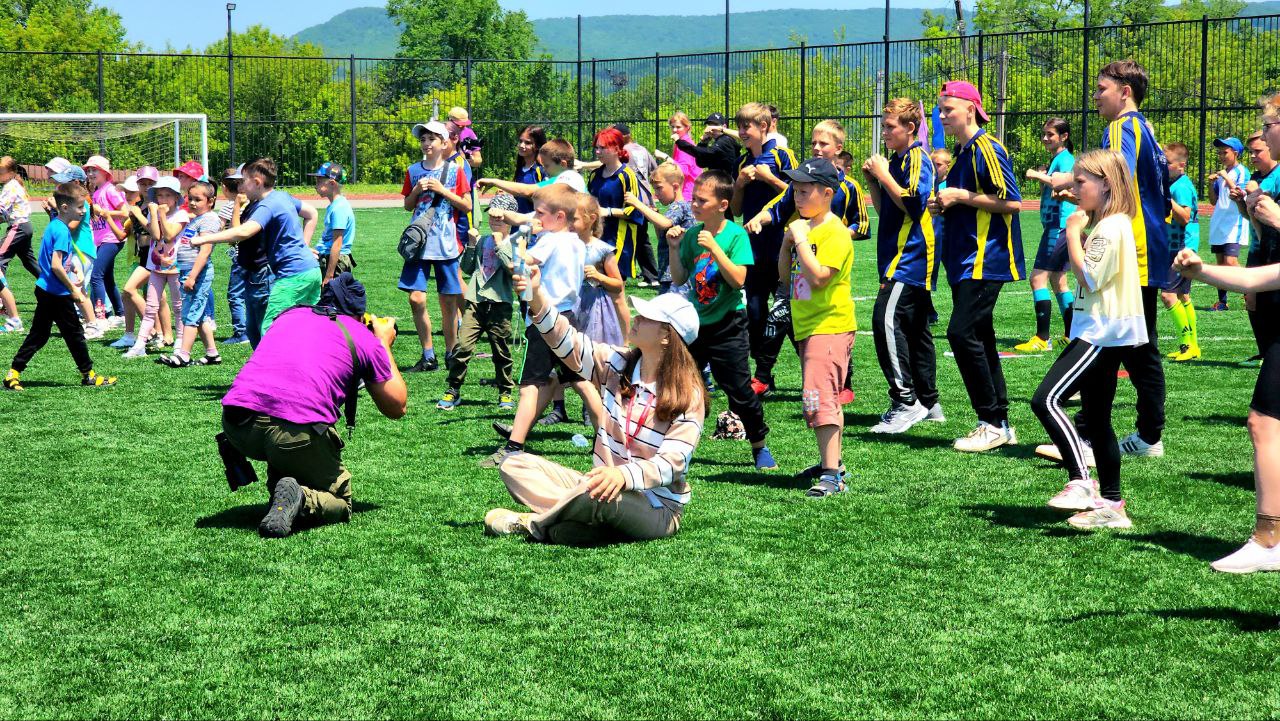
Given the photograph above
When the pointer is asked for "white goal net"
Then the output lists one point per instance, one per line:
(128, 141)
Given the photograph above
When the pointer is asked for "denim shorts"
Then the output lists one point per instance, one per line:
(196, 306)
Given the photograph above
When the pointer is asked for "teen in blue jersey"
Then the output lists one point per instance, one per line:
(907, 261)
(760, 179)
(610, 184)
(982, 251)
(1051, 261)
(849, 204)
(528, 170)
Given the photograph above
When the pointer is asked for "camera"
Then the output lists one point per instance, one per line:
(372, 321)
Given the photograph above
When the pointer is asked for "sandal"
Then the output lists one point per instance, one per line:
(827, 485)
(210, 360)
(174, 361)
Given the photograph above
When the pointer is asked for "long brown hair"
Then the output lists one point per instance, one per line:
(680, 385)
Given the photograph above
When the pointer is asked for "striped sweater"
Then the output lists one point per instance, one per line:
(652, 455)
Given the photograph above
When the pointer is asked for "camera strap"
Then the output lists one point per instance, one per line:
(353, 386)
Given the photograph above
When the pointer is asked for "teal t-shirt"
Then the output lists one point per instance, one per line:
(1054, 212)
(709, 291)
(84, 236)
(1183, 192)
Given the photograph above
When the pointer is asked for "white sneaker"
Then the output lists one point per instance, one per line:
(501, 522)
(13, 325)
(1051, 452)
(900, 418)
(1133, 445)
(1011, 436)
(115, 321)
(137, 351)
(934, 414)
(984, 437)
(126, 341)
(1075, 496)
(1107, 516)
(1251, 557)
(93, 332)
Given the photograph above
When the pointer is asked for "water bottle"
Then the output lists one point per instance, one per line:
(520, 240)
(580, 440)
(100, 310)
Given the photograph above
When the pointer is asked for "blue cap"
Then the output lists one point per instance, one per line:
(1233, 143)
(73, 172)
(332, 171)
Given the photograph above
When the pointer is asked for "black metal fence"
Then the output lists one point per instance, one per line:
(1206, 78)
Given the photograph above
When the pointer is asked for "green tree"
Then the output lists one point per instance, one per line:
(450, 29)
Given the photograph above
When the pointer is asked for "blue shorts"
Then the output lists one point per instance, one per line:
(416, 273)
(196, 304)
(1052, 255)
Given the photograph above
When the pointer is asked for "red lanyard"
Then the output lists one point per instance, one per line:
(627, 433)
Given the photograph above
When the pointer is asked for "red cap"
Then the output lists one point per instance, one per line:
(965, 91)
(191, 169)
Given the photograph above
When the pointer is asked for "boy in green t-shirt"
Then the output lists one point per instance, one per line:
(817, 259)
(713, 257)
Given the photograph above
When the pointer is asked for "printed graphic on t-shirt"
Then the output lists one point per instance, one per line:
(706, 279)
(800, 288)
(488, 259)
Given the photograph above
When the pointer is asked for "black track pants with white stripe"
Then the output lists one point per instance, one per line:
(1091, 370)
(904, 343)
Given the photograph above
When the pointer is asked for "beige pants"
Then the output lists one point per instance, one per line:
(564, 513)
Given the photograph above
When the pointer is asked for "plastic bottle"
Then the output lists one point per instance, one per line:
(580, 440)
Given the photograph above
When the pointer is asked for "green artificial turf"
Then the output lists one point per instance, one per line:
(135, 585)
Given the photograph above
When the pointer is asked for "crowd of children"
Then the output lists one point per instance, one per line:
(560, 250)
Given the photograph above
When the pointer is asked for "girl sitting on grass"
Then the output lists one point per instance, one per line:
(655, 404)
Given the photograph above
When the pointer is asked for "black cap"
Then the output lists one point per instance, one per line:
(622, 128)
(717, 119)
(815, 170)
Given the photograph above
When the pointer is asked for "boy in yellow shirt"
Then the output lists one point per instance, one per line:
(817, 259)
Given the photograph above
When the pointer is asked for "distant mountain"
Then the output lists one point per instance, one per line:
(363, 32)
(368, 32)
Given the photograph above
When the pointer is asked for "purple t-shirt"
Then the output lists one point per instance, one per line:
(301, 371)
(108, 198)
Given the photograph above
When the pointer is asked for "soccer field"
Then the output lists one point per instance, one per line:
(135, 585)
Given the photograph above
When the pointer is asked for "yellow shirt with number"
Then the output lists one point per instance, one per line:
(827, 310)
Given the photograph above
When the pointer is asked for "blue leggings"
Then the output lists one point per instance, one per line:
(103, 281)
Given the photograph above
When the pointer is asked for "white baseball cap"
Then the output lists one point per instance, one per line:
(672, 309)
(169, 182)
(131, 184)
(434, 126)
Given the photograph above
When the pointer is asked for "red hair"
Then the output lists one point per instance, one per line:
(612, 139)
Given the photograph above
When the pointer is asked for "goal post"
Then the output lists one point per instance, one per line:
(128, 140)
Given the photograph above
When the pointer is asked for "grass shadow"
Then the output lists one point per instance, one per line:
(903, 439)
(247, 516)
(1027, 517)
(1237, 479)
(1222, 364)
(1217, 419)
(751, 477)
(1204, 548)
(1245, 621)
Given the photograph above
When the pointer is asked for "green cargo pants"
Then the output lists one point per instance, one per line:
(311, 454)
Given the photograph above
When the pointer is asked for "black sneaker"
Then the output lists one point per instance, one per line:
(286, 502)
(239, 471)
(423, 365)
(502, 429)
(555, 417)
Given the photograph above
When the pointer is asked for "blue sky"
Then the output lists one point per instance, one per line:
(197, 23)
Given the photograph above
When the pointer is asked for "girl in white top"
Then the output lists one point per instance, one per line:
(1107, 319)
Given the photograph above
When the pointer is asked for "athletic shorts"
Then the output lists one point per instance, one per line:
(1179, 285)
(3, 285)
(417, 273)
(825, 362)
(1266, 392)
(1051, 256)
(1230, 250)
(541, 365)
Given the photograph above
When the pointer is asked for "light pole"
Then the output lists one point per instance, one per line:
(231, 89)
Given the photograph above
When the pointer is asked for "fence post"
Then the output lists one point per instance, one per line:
(578, 65)
(881, 88)
(1086, 85)
(468, 85)
(231, 99)
(595, 92)
(351, 77)
(982, 59)
(1204, 92)
(726, 77)
(657, 99)
(101, 103)
(1002, 91)
(803, 80)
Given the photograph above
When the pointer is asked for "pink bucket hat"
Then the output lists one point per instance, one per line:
(964, 90)
(191, 169)
(99, 162)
